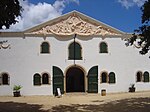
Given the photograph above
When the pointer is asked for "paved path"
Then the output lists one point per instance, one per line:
(123, 102)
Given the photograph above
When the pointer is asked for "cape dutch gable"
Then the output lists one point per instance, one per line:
(74, 23)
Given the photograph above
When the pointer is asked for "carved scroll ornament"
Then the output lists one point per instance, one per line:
(74, 25)
(4, 46)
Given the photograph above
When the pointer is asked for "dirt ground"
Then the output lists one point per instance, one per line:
(78, 102)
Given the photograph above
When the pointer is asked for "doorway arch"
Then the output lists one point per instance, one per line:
(75, 80)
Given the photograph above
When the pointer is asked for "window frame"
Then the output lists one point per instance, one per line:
(114, 76)
(141, 76)
(72, 57)
(2, 80)
(38, 79)
(41, 48)
(48, 78)
(106, 77)
(100, 48)
(144, 75)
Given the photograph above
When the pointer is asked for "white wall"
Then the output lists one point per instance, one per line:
(23, 60)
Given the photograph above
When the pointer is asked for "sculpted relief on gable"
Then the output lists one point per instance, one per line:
(74, 25)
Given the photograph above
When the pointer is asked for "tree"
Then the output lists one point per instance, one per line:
(142, 35)
(9, 10)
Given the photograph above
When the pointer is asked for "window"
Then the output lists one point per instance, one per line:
(112, 77)
(45, 78)
(103, 47)
(5, 79)
(75, 51)
(37, 79)
(146, 76)
(139, 76)
(45, 47)
(104, 77)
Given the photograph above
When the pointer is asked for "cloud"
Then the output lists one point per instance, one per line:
(129, 3)
(34, 14)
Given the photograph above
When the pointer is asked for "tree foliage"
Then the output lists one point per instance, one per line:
(143, 32)
(9, 10)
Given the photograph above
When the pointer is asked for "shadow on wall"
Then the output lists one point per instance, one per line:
(20, 107)
(127, 105)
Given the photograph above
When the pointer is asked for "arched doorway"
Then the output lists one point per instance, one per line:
(75, 80)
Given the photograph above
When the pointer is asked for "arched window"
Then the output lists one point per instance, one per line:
(75, 51)
(5, 79)
(45, 78)
(104, 77)
(139, 76)
(146, 76)
(45, 47)
(103, 47)
(37, 79)
(112, 78)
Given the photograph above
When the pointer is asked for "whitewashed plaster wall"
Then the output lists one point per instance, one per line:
(23, 60)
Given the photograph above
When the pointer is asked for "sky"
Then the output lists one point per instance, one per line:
(124, 15)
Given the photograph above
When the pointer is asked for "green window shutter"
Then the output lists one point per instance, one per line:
(71, 51)
(146, 77)
(0, 79)
(45, 47)
(37, 79)
(93, 80)
(77, 51)
(8, 80)
(112, 77)
(58, 79)
(103, 47)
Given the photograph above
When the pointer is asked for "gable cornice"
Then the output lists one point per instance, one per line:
(78, 23)
(11, 34)
(74, 23)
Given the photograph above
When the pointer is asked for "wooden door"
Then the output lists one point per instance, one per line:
(93, 80)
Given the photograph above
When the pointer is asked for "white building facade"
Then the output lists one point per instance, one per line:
(74, 53)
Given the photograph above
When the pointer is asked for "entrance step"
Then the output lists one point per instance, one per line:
(75, 93)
